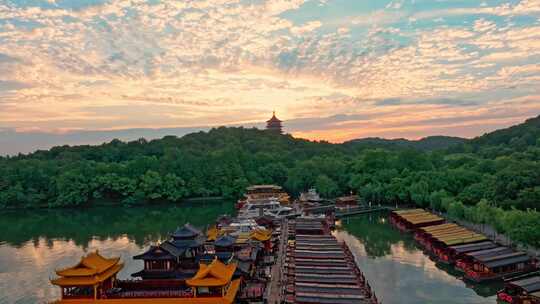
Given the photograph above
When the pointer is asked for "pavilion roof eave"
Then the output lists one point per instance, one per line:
(88, 280)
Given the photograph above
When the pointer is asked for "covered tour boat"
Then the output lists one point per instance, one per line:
(439, 239)
(499, 266)
(521, 291)
(466, 260)
(455, 251)
(407, 220)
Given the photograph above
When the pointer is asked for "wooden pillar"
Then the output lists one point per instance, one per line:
(95, 292)
(62, 295)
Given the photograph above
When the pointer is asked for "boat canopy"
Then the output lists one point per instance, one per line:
(473, 247)
(507, 261)
(509, 255)
(531, 284)
(489, 252)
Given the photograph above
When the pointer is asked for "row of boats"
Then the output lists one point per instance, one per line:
(320, 269)
(478, 258)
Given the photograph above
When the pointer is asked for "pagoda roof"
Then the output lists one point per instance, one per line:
(165, 274)
(260, 235)
(186, 232)
(212, 234)
(155, 253)
(177, 248)
(214, 274)
(91, 264)
(225, 241)
(274, 118)
(92, 269)
(209, 257)
(248, 253)
(264, 220)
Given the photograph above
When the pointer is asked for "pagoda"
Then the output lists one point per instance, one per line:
(274, 124)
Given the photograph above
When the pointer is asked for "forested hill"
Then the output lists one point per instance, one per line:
(481, 179)
(429, 143)
(519, 137)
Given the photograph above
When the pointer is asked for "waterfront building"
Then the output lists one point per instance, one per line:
(345, 202)
(263, 194)
(174, 258)
(91, 278)
(274, 124)
(214, 279)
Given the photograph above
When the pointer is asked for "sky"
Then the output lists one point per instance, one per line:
(331, 69)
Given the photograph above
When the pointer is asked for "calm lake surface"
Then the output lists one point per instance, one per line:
(34, 243)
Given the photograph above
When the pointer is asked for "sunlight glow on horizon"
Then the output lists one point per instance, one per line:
(332, 70)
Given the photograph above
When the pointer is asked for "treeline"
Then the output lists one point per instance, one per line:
(501, 169)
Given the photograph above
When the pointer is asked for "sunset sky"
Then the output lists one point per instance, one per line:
(332, 69)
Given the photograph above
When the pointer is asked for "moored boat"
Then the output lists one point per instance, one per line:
(499, 266)
(521, 291)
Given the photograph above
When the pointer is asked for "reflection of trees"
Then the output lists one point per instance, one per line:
(376, 233)
(378, 238)
(141, 224)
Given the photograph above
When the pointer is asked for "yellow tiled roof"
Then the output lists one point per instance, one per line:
(91, 264)
(87, 280)
(214, 274)
(212, 234)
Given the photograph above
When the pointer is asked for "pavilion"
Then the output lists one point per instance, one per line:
(90, 278)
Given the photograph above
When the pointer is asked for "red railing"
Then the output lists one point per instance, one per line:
(503, 296)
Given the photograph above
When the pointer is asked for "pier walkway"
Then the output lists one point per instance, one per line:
(275, 288)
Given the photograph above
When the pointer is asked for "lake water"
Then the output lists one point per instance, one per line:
(34, 243)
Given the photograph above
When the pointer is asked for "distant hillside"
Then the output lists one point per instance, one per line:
(430, 143)
(518, 137)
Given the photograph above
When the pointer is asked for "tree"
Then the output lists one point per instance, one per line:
(72, 188)
(151, 185)
(326, 186)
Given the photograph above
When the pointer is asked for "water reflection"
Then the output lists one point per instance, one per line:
(400, 272)
(34, 243)
(141, 224)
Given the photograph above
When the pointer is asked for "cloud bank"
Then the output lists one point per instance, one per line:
(335, 70)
